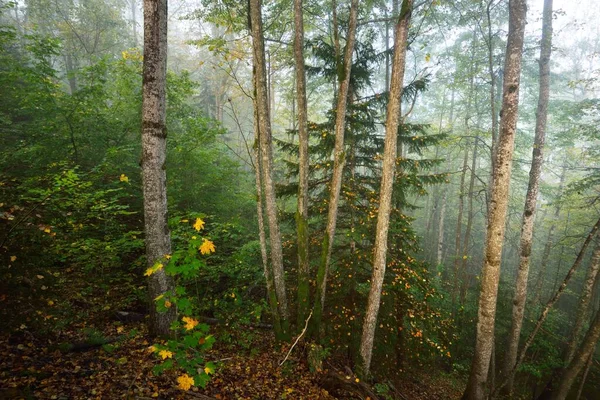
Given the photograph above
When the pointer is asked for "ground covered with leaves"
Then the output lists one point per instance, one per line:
(63, 338)
(76, 366)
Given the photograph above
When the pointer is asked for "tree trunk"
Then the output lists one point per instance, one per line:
(154, 152)
(387, 181)
(266, 161)
(302, 212)
(338, 168)
(550, 240)
(440, 238)
(458, 234)
(580, 359)
(134, 22)
(520, 296)
(585, 374)
(476, 386)
(271, 295)
(490, 43)
(465, 252)
(584, 303)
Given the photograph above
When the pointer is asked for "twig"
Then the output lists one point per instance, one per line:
(297, 339)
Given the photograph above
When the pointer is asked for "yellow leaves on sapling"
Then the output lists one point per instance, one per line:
(190, 323)
(185, 382)
(165, 354)
(199, 224)
(124, 178)
(209, 369)
(207, 247)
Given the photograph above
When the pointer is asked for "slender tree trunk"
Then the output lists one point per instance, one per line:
(302, 212)
(266, 161)
(585, 374)
(486, 315)
(584, 304)
(458, 234)
(465, 252)
(154, 152)
(339, 157)
(134, 22)
(550, 240)
(440, 237)
(554, 299)
(490, 43)
(520, 296)
(580, 359)
(387, 181)
(71, 77)
(271, 295)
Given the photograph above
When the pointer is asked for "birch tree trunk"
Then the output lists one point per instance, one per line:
(579, 360)
(387, 181)
(302, 212)
(266, 161)
(339, 158)
(154, 152)
(486, 315)
(520, 296)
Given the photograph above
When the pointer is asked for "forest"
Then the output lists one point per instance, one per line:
(300, 199)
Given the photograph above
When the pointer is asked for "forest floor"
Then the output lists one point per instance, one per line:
(67, 359)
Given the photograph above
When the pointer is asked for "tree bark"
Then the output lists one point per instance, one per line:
(520, 296)
(476, 387)
(154, 151)
(580, 359)
(338, 169)
(303, 161)
(266, 161)
(387, 181)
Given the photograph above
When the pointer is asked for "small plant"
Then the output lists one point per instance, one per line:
(185, 352)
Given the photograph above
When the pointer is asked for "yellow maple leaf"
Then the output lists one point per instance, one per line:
(124, 178)
(120, 329)
(13, 258)
(185, 382)
(207, 247)
(209, 370)
(190, 323)
(152, 349)
(165, 354)
(47, 229)
(199, 224)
